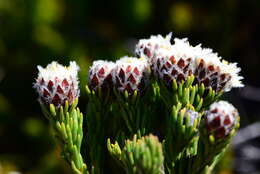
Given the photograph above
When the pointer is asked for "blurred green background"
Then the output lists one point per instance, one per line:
(36, 32)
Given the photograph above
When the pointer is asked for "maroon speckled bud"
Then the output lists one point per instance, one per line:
(167, 67)
(131, 74)
(100, 75)
(211, 76)
(56, 84)
(221, 118)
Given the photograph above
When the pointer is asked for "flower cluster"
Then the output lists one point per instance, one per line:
(221, 118)
(127, 74)
(168, 62)
(180, 60)
(185, 81)
(57, 84)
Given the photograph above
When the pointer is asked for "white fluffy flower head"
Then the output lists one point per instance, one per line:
(147, 48)
(56, 83)
(55, 69)
(177, 62)
(207, 67)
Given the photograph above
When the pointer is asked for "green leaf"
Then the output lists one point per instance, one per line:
(53, 110)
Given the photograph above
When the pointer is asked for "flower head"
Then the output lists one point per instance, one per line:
(131, 74)
(175, 63)
(168, 68)
(183, 60)
(56, 84)
(147, 48)
(100, 74)
(221, 118)
(209, 68)
(219, 75)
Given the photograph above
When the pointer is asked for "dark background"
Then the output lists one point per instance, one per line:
(36, 32)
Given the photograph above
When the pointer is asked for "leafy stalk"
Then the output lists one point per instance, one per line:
(66, 123)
